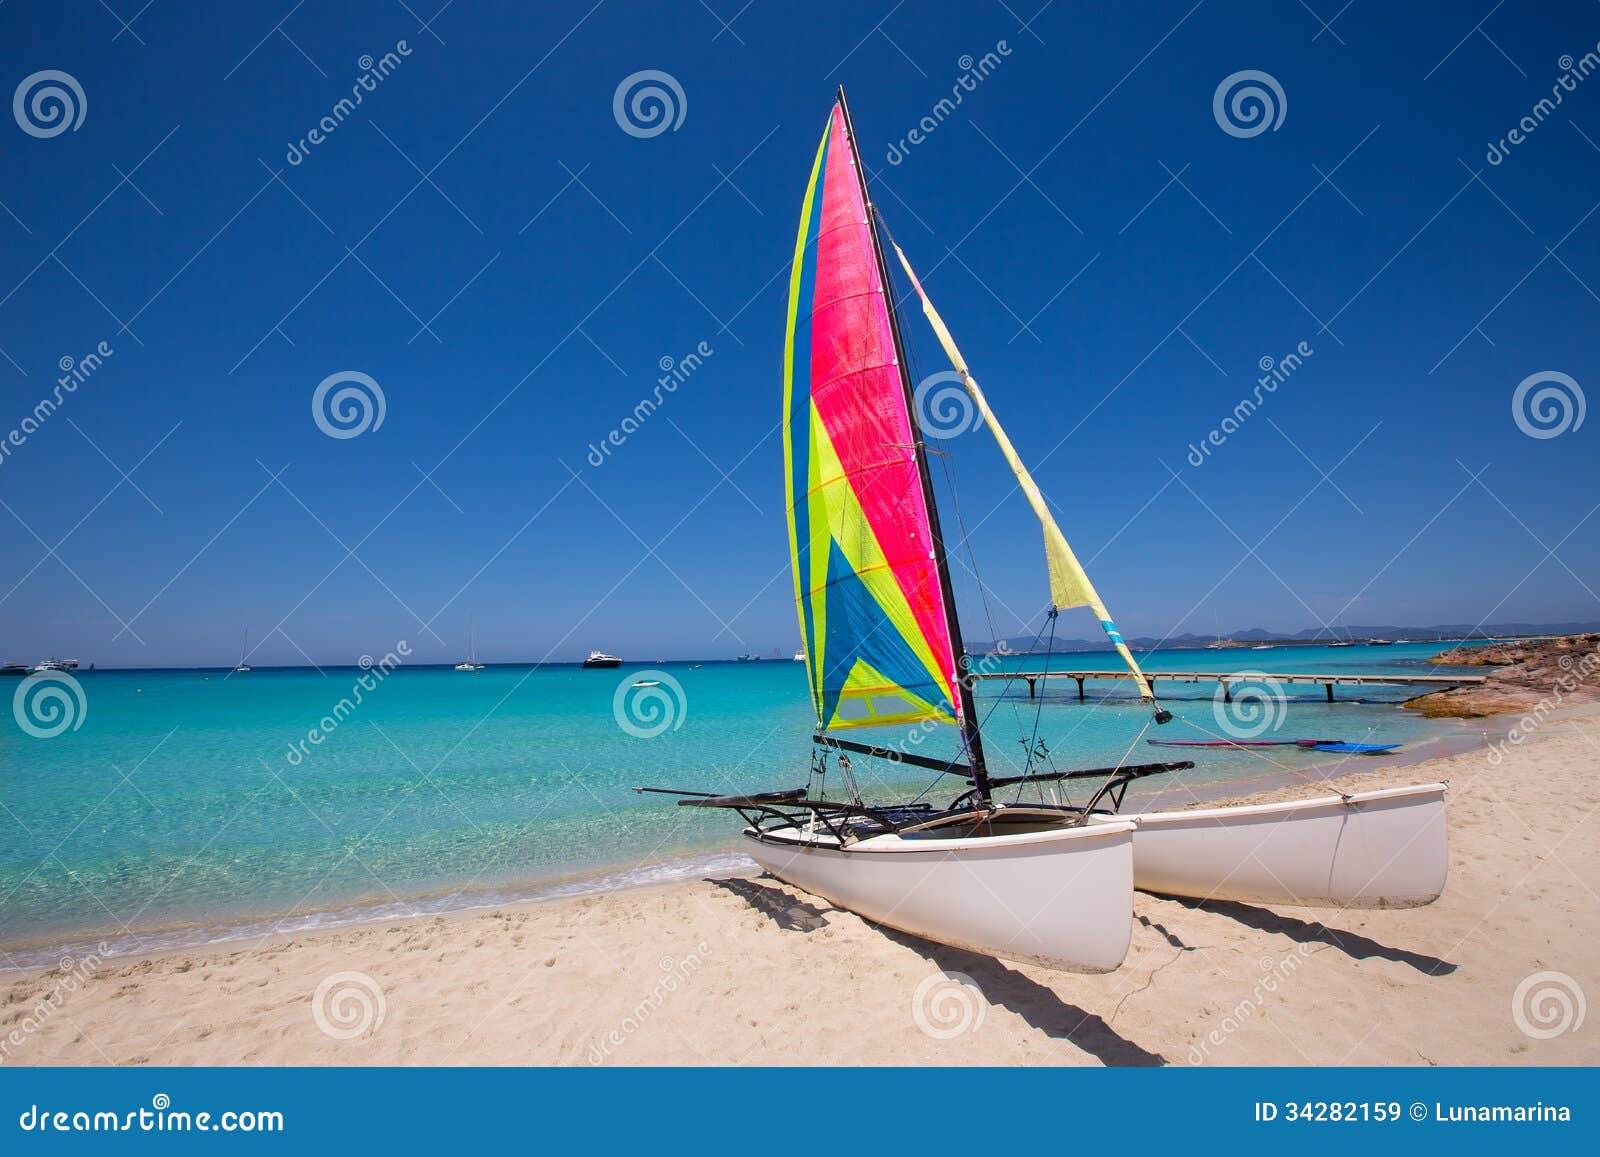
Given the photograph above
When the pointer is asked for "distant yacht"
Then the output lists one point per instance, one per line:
(749, 659)
(1263, 647)
(472, 663)
(799, 656)
(601, 659)
(56, 665)
(1380, 642)
(244, 650)
(13, 669)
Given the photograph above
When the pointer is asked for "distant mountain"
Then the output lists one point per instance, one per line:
(1029, 643)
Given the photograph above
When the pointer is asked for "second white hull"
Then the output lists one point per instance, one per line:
(1381, 849)
(1061, 898)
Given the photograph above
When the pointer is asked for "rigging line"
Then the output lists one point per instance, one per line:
(1148, 723)
(1031, 747)
(948, 467)
(1256, 753)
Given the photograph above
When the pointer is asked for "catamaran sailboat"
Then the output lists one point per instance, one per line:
(471, 663)
(1047, 882)
(883, 645)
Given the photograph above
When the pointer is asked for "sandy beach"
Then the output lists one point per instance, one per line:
(745, 970)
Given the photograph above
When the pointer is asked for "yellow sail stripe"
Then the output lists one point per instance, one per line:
(1069, 584)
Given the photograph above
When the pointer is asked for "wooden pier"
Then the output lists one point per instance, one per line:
(1227, 678)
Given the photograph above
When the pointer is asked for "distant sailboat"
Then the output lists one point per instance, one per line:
(471, 663)
(244, 651)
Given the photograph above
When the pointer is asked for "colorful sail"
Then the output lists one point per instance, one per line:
(872, 614)
(1069, 582)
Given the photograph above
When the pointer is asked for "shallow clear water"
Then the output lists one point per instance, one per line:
(189, 803)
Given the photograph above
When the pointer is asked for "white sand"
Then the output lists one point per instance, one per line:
(747, 971)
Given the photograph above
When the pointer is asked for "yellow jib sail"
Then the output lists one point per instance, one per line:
(1069, 584)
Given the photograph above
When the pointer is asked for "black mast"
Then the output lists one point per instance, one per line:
(970, 737)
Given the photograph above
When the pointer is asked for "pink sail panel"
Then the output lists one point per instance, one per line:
(872, 609)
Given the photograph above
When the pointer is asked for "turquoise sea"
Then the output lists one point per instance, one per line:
(189, 806)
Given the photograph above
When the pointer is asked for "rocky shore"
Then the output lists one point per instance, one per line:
(1556, 672)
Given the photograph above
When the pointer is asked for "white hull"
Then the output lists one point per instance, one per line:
(1382, 849)
(1061, 898)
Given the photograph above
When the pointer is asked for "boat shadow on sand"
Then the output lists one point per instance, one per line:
(1001, 985)
(1352, 944)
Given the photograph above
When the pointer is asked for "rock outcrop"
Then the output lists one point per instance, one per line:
(1553, 672)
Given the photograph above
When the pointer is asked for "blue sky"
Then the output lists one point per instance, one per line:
(482, 238)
